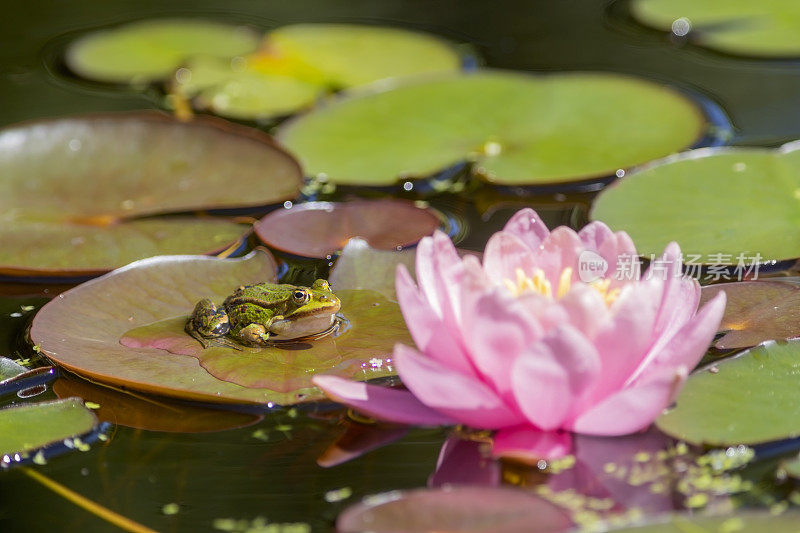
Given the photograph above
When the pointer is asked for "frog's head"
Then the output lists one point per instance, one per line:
(310, 310)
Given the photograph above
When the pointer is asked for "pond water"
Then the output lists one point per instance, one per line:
(267, 467)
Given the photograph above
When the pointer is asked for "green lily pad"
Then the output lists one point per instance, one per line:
(149, 50)
(320, 229)
(298, 64)
(764, 29)
(472, 509)
(81, 328)
(362, 350)
(519, 129)
(26, 428)
(791, 467)
(756, 311)
(720, 205)
(742, 521)
(72, 188)
(748, 399)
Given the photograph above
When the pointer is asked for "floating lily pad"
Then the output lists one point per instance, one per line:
(146, 304)
(300, 63)
(361, 350)
(749, 399)
(26, 428)
(320, 229)
(81, 328)
(756, 311)
(472, 509)
(149, 50)
(520, 129)
(72, 186)
(153, 414)
(742, 521)
(361, 267)
(766, 29)
(719, 204)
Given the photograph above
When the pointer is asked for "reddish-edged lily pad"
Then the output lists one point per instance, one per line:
(80, 329)
(471, 509)
(756, 311)
(72, 188)
(320, 229)
(146, 305)
(361, 349)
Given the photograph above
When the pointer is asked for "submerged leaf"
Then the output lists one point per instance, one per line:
(749, 399)
(473, 509)
(520, 129)
(153, 414)
(151, 49)
(72, 185)
(320, 229)
(28, 427)
(756, 311)
(360, 350)
(723, 206)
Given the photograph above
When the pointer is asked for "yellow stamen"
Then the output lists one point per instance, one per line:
(539, 284)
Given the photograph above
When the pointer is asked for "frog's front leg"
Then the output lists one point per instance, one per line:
(257, 334)
(207, 321)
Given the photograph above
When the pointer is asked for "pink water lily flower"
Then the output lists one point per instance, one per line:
(555, 332)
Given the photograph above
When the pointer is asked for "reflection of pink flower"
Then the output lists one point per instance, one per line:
(522, 345)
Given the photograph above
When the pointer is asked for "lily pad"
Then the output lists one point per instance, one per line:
(360, 266)
(26, 428)
(72, 187)
(298, 64)
(519, 129)
(764, 29)
(81, 328)
(320, 229)
(10, 368)
(756, 311)
(149, 50)
(360, 350)
(720, 204)
(473, 509)
(153, 414)
(742, 521)
(146, 304)
(749, 399)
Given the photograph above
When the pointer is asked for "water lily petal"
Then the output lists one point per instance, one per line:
(631, 409)
(459, 396)
(624, 265)
(528, 227)
(382, 403)
(679, 300)
(560, 250)
(504, 254)
(625, 339)
(426, 327)
(529, 444)
(594, 234)
(496, 331)
(689, 344)
(585, 309)
(553, 374)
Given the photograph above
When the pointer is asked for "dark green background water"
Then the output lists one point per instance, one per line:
(231, 473)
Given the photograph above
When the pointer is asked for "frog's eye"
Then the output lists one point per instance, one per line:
(300, 296)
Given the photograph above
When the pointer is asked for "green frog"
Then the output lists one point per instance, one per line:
(259, 315)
